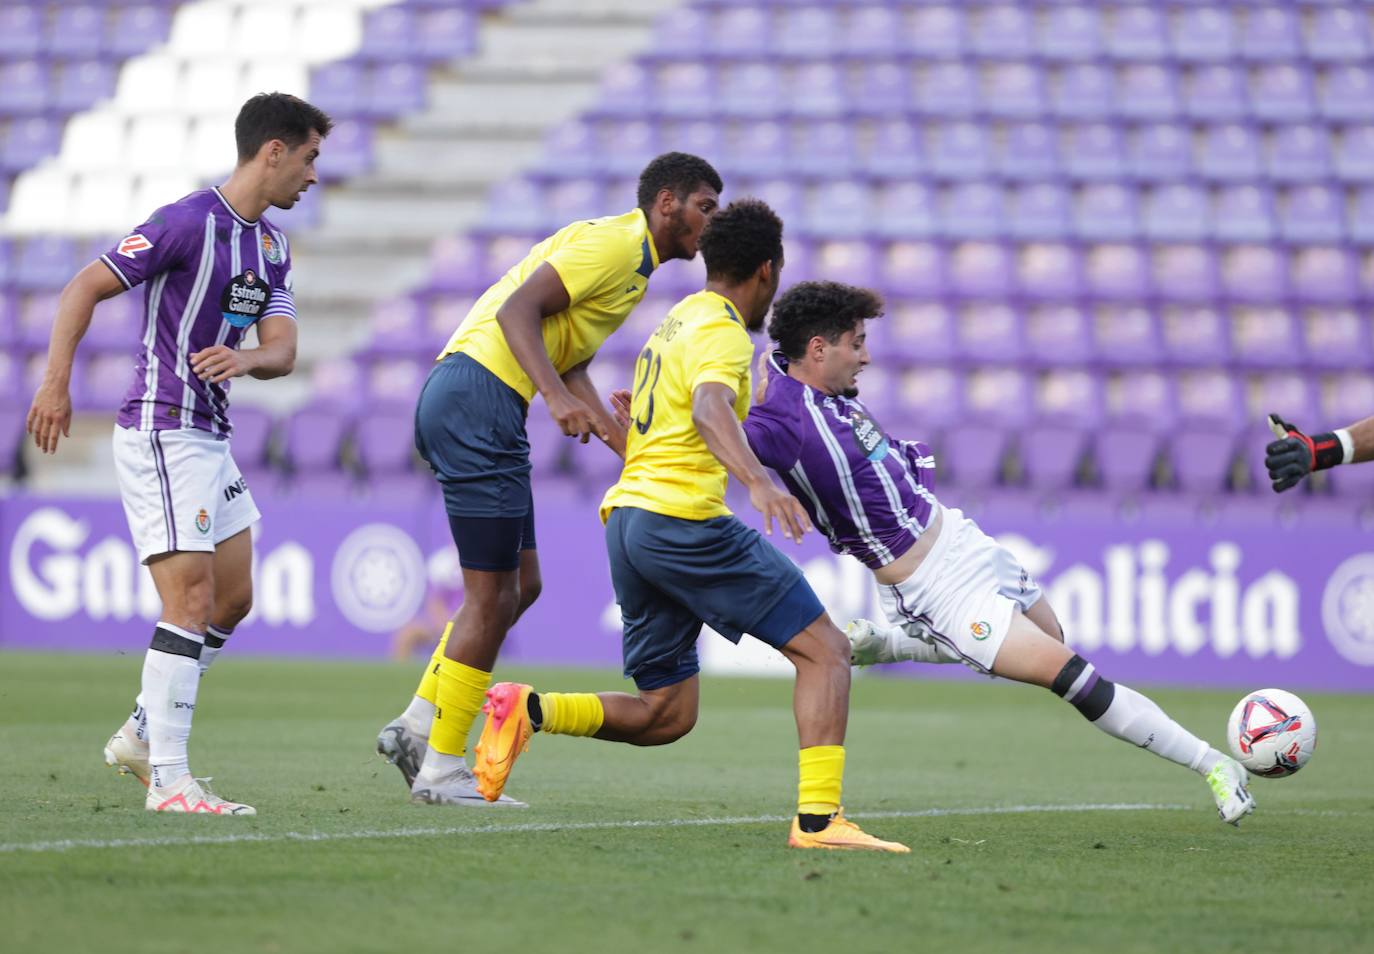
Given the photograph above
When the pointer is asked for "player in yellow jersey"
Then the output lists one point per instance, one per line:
(536, 329)
(679, 558)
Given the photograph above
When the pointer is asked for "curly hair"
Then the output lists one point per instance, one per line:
(678, 171)
(828, 309)
(739, 238)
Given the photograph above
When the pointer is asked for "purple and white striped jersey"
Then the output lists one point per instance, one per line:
(871, 496)
(210, 274)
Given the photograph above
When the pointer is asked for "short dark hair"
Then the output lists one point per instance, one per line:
(828, 309)
(678, 171)
(269, 116)
(739, 238)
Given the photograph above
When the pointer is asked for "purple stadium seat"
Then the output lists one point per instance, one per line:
(12, 437)
(811, 31)
(1266, 337)
(742, 31)
(350, 150)
(446, 34)
(1105, 212)
(620, 148)
(684, 30)
(683, 89)
(904, 210)
(947, 90)
(21, 31)
(1298, 154)
(394, 89)
(973, 210)
(1146, 400)
(1039, 211)
(1059, 335)
(103, 381)
(1214, 94)
(1360, 218)
(396, 326)
(252, 436)
(1347, 397)
(1209, 397)
(9, 330)
(1082, 91)
(1312, 214)
(699, 137)
(1227, 153)
(313, 439)
(1339, 34)
(872, 31)
(1052, 454)
(117, 325)
(1195, 336)
(1253, 273)
(1197, 467)
(1185, 273)
(880, 88)
(981, 270)
(389, 35)
(385, 442)
(750, 89)
(622, 89)
(1324, 274)
(1269, 34)
(1160, 152)
(44, 262)
(1093, 152)
(25, 87)
(958, 151)
(935, 32)
(1001, 32)
(1069, 33)
(1244, 214)
(515, 205)
(1205, 33)
(841, 209)
(1136, 33)
(786, 196)
(1146, 92)
(1281, 94)
(921, 331)
(1125, 458)
(1177, 213)
(134, 29)
(988, 334)
(1346, 94)
(80, 84)
(1336, 337)
(1049, 271)
(34, 319)
(845, 261)
(1012, 91)
(1117, 272)
(395, 383)
(75, 32)
(319, 485)
(823, 148)
(755, 148)
(570, 200)
(339, 89)
(897, 150)
(1354, 153)
(1295, 393)
(1027, 151)
(913, 268)
(975, 454)
(23, 142)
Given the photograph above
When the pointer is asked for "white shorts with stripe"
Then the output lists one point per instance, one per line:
(181, 490)
(962, 596)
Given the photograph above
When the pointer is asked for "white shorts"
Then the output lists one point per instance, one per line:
(962, 596)
(181, 490)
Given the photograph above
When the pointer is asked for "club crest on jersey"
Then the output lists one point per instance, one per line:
(244, 299)
(203, 521)
(132, 245)
(980, 630)
(869, 435)
(270, 249)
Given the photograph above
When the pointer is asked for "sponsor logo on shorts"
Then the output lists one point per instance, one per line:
(203, 521)
(980, 630)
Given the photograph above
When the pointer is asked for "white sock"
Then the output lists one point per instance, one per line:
(419, 715)
(138, 719)
(902, 645)
(437, 764)
(214, 645)
(171, 676)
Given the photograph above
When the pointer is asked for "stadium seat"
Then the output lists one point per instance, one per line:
(1195, 335)
(1203, 34)
(1027, 151)
(1039, 211)
(1214, 94)
(1069, 32)
(1242, 214)
(1269, 34)
(1160, 152)
(1136, 32)
(1093, 152)
(1082, 91)
(1298, 153)
(1337, 35)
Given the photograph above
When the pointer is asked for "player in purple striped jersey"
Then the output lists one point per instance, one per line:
(950, 592)
(212, 266)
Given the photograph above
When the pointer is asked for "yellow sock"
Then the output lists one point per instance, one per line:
(822, 774)
(571, 713)
(457, 702)
(429, 682)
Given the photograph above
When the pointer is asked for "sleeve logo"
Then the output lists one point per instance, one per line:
(132, 245)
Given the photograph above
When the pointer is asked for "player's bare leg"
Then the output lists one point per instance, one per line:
(1030, 654)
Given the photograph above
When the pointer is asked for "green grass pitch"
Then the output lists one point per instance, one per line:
(619, 851)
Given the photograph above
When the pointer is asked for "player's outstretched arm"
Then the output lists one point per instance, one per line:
(50, 414)
(579, 382)
(713, 413)
(274, 357)
(1294, 454)
(521, 319)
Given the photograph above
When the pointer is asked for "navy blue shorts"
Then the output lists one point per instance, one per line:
(470, 430)
(673, 575)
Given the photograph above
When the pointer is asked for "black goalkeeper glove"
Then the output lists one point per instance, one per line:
(1295, 455)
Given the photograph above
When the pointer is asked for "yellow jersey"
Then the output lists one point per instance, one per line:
(668, 468)
(605, 266)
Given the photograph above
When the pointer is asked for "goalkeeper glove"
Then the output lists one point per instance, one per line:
(1295, 455)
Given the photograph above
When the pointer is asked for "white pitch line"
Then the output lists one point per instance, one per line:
(42, 847)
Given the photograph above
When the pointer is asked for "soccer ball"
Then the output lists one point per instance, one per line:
(1272, 733)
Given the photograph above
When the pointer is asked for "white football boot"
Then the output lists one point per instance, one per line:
(1227, 781)
(456, 787)
(871, 644)
(192, 796)
(403, 747)
(127, 753)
